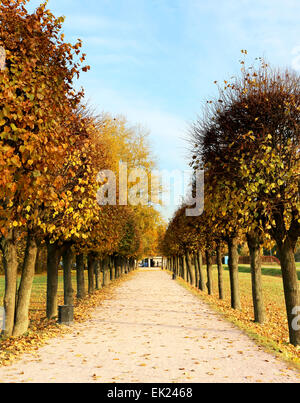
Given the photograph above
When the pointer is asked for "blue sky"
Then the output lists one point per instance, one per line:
(155, 61)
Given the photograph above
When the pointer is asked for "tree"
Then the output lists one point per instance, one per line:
(36, 104)
(253, 138)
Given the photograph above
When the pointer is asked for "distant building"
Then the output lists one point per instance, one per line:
(153, 261)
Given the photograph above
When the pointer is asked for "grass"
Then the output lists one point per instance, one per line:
(273, 335)
(266, 270)
(39, 288)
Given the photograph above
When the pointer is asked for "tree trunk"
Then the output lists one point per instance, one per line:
(209, 269)
(24, 292)
(91, 273)
(41, 260)
(200, 271)
(125, 265)
(37, 268)
(182, 264)
(53, 259)
(117, 266)
(194, 260)
(105, 269)
(254, 245)
(174, 265)
(107, 276)
(195, 269)
(68, 286)
(110, 269)
(220, 272)
(97, 275)
(291, 289)
(103, 273)
(184, 269)
(122, 270)
(80, 276)
(113, 267)
(130, 265)
(233, 265)
(190, 268)
(10, 263)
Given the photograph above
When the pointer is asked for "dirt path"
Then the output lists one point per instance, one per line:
(153, 330)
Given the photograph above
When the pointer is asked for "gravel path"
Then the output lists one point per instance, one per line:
(152, 330)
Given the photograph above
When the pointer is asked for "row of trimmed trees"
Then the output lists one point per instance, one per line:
(51, 152)
(247, 143)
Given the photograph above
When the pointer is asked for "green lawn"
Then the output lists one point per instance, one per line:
(39, 288)
(266, 270)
